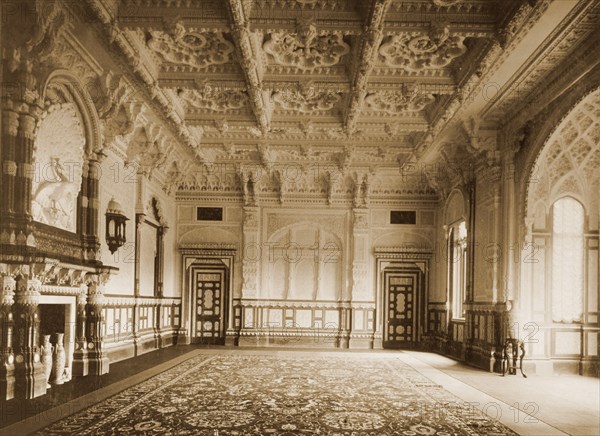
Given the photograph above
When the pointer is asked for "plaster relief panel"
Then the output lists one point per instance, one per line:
(195, 49)
(214, 99)
(397, 102)
(308, 101)
(414, 51)
(58, 166)
(307, 48)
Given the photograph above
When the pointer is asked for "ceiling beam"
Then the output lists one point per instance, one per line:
(370, 42)
(250, 63)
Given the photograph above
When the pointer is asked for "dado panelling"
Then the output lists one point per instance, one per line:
(133, 326)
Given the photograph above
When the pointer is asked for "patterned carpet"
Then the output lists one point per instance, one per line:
(287, 394)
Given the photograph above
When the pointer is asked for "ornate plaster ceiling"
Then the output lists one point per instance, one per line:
(374, 72)
(353, 86)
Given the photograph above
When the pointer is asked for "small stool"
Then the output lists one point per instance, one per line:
(510, 355)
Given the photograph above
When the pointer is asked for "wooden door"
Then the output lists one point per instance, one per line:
(210, 302)
(402, 290)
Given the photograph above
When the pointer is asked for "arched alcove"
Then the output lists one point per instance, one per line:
(559, 263)
(66, 135)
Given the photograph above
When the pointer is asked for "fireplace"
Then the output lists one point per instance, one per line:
(57, 315)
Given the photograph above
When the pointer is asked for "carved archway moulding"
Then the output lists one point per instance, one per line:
(451, 212)
(84, 103)
(554, 154)
(545, 130)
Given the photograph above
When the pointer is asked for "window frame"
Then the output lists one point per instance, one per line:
(457, 291)
(554, 235)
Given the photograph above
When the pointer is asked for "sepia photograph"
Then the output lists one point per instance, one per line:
(300, 217)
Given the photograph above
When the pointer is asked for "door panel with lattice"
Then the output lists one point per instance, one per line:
(401, 308)
(209, 290)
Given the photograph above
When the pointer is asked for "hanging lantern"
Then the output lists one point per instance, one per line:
(115, 225)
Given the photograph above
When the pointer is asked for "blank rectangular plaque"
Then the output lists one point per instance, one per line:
(209, 214)
(403, 217)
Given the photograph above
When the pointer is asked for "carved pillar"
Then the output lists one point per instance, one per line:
(139, 222)
(251, 255)
(24, 157)
(92, 210)
(360, 291)
(83, 201)
(10, 121)
(80, 355)
(98, 360)
(511, 246)
(30, 378)
(160, 260)
(159, 272)
(7, 367)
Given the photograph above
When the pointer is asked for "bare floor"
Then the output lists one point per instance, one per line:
(566, 404)
(536, 405)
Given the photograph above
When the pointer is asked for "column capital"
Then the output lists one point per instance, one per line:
(7, 292)
(10, 119)
(27, 125)
(28, 292)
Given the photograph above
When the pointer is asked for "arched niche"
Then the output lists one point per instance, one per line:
(455, 207)
(58, 167)
(559, 280)
(65, 136)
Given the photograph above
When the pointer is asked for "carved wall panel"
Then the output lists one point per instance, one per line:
(303, 262)
(58, 166)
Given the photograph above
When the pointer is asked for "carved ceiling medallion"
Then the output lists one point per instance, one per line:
(416, 52)
(215, 99)
(306, 101)
(409, 99)
(306, 49)
(198, 50)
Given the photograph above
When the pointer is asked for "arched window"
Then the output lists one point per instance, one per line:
(567, 260)
(457, 267)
